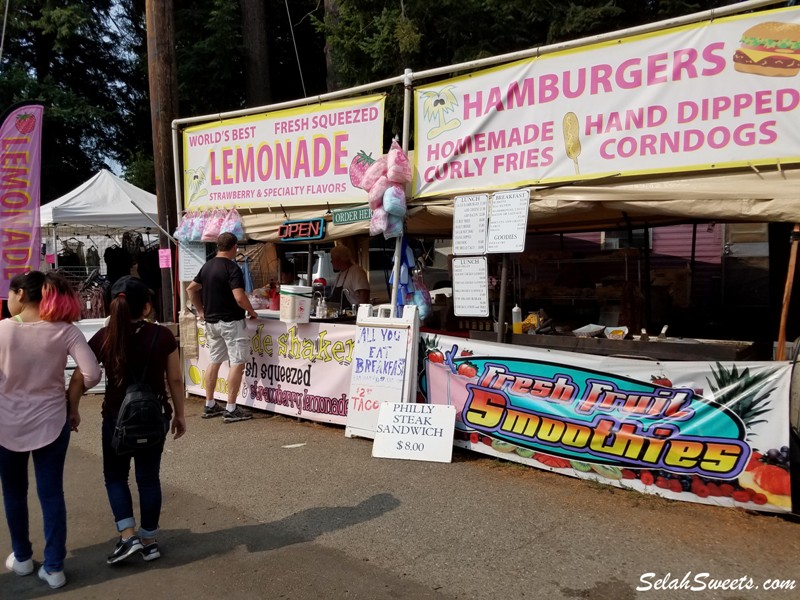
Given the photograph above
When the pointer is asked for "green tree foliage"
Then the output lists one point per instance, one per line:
(370, 40)
(65, 54)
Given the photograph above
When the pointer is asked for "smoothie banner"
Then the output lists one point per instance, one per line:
(714, 433)
(20, 168)
(302, 156)
(663, 102)
(296, 370)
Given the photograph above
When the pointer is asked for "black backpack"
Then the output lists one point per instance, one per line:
(140, 423)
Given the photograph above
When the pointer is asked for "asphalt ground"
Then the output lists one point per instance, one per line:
(247, 517)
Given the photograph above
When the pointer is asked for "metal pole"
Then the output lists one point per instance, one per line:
(780, 352)
(501, 316)
(398, 245)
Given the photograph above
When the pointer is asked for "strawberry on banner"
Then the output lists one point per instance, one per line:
(20, 238)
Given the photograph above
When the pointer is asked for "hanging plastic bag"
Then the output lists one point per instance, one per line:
(198, 225)
(421, 297)
(187, 324)
(398, 168)
(394, 200)
(184, 230)
(213, 225)
(233, 224)
(377, 224)
(375, 171)
(376, 193)
(394, 227)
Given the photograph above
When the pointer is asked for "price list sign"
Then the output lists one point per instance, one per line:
(192, 256)
(470, 215)
(415, 432)
(508, 222)
(470, 287)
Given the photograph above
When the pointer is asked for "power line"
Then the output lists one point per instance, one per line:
(3, 36)
(296, 53)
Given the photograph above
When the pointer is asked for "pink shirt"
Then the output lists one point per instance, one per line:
(33, 405)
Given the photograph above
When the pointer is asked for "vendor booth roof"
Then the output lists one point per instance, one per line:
(762, 197)
(103, 200)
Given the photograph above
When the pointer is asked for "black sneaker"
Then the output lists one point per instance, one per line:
(150, 551)
(210, 412)
(124, 549)
(237, 414)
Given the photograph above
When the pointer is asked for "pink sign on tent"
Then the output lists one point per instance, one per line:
(20, 238)
(164, 258)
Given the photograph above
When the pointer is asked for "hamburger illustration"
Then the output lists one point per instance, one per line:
(771, 49)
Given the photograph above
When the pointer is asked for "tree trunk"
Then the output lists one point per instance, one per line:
(162, 70)
(256, 53)
(333, 80)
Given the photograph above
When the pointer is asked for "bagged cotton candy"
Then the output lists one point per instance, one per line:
(377, 191)
(375, 171)
(398, 169)
(394, 200)
(394, 227)
(377, 224)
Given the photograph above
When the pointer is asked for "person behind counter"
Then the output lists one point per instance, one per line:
(217, 293)
(351, 285)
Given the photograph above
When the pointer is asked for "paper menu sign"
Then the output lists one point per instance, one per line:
(508, 221)
(470, 287)
(470, 214)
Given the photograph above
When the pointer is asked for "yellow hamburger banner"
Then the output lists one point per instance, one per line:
(298, 156)
(716, 94)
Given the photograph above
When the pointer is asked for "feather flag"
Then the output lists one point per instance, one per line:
(20, 168)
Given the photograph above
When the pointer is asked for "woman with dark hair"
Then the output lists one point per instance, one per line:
(34, 416)
(125, 347)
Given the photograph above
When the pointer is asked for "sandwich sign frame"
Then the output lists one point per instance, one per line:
(704, 96)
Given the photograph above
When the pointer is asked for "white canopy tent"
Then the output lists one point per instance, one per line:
(103, 200)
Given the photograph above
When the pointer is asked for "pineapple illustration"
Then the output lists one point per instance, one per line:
(743, 393)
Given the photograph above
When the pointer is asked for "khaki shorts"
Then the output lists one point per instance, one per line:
(227, 340)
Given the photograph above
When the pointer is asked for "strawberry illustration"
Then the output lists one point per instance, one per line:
(359, 166)
(467, 369)
(435, 356)
(660, 380)
(25, 122)
(466, 353)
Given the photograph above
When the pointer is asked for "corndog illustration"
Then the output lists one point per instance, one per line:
(572, 140)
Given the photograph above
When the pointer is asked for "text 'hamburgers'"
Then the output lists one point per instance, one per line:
(771, 49)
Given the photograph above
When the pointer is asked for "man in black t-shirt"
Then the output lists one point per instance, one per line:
(217, 293)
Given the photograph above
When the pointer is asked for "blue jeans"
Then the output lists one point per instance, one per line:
(48, 465)
(116, 468)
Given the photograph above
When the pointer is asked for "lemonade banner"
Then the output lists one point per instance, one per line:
(703, 96)
(296, 370)
(20, 166)
(713, 433)
(303, 156)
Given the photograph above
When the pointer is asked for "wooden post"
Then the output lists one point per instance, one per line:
(162, 71)
(780, 353)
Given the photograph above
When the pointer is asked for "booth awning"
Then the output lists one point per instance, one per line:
(750, 196)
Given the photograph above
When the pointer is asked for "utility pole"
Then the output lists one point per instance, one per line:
(162, 71)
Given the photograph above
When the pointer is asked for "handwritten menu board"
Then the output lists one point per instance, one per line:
(508, 222)
(470, 215)
(192, 256)
(470, 287)
(378, 373)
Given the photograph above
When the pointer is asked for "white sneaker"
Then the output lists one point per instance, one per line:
(20, 568)
(54, 580)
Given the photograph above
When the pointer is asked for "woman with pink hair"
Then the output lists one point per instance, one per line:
(34, 417)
